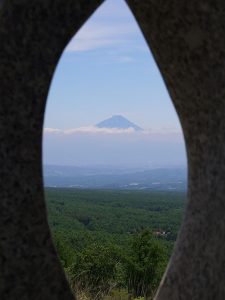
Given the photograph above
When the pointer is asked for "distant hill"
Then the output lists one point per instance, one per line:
(163, 179)
(119, 122)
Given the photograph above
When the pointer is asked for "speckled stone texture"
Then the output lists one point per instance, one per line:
(188, 42)
(187, 39)
(32, 37)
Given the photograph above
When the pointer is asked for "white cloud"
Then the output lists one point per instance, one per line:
(52, 130)
(163, 132)
(125, 59)
(101, 35)
(111, 25)
(90, 129)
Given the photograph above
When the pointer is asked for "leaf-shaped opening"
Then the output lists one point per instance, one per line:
(114, 161)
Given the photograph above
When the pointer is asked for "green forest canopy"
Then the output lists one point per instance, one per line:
(106, 225)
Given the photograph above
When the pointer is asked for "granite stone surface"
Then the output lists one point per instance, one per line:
(187, 39)
(33, 35)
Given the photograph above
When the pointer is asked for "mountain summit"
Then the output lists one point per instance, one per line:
(119, 122)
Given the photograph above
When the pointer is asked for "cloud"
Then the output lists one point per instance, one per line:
(89, 129)
(125, 59)
(101, 35)
(111, 25)
(52, 130)
(160, 133)
(92, 145)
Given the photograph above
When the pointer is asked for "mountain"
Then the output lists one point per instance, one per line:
(119, 122)
(164, 179)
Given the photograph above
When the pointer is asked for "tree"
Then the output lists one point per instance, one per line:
(65, 251)
(145, 265)
(94, 271)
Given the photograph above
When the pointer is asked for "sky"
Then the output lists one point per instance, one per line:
(108, 69)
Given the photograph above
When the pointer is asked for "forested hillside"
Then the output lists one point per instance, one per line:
(106, 237)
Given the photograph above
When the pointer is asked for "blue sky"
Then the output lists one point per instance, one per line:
(107, 69)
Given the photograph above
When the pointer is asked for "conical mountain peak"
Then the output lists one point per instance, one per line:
(118, 121)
